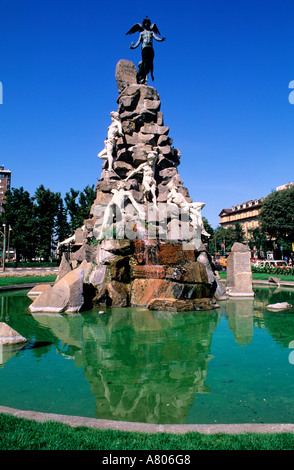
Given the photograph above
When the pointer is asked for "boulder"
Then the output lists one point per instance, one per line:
(9, 336)
(125, 74)
(114, 294)
(65, 296)
(64, 267)
(172, 305)
(37, 290)
(279, 306)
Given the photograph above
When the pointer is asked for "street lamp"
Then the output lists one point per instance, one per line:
(4, 247)
(8, 242)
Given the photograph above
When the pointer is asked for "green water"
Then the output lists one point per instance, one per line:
(229, 365)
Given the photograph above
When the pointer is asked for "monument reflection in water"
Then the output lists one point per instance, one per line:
(156, 367)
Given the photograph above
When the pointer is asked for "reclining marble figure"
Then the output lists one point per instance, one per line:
(117, 207)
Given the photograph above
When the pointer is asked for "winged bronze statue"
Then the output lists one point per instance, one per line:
(148, 32)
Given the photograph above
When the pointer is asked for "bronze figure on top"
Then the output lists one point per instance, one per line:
(147, 34)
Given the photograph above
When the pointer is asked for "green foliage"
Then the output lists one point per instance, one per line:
(39, 222)
(20, 216)
(285, 271)
(258, 240)
(29, 279)
(23, 434)
(45, 211)
(277, 217)
(224, 238)
(79, 208)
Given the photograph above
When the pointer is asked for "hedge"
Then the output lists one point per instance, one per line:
(286, 271)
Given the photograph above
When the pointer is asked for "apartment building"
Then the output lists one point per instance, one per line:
(245, 213)
(5, 184)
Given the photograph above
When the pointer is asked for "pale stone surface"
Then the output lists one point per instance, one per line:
(97, 276)
(64, 267)
(239, 275)
(114, 132)
(9, 336)
(65, 296)
(125, 74)
(37, 290)
(279, 306)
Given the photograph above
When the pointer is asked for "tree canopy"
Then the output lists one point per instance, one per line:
(38, 222)
(277, 217)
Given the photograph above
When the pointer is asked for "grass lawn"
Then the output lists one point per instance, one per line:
(262, 276)
(9, 281)
(23, 434)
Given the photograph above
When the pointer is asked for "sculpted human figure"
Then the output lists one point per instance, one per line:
(147, 34)
(148, 182)
(114, 131)
(192, 208)
(120, 195)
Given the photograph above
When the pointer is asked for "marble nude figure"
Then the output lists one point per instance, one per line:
(114, 131)
(192, 208)
(116, 205)
(149, 183)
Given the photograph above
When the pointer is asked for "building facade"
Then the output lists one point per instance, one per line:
(5, 184)
(245, 213)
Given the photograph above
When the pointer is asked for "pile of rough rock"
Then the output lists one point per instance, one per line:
(135, 270)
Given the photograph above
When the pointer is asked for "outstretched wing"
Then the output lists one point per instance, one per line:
(135, 28)
(155, 29)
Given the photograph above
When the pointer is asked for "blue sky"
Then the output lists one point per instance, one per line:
(222, 74)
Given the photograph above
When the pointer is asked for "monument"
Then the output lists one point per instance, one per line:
(239, 275)
(142, 244)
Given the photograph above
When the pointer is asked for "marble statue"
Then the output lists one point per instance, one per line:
(120, 195)
(149, 183)
(114, 131)
(192, 208)
(147, 34)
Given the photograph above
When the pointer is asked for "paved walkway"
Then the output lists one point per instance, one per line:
(150, 428)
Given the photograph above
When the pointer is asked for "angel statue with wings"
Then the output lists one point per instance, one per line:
(147, 34)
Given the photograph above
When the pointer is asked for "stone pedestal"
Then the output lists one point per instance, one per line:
(239, 275)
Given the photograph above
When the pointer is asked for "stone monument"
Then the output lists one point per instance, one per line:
(142, 243)
(239, 275)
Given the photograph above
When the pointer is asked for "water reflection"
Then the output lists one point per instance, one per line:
(240, 318)
(143, 365)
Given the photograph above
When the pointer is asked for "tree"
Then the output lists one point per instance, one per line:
(19, 215)
(224, 238)
(79, 210)
(62, 229)
(86, 199)
(258, 241)
(72, 209)
(46, 209)
(208, 240)
(239, 233)
(277, 218)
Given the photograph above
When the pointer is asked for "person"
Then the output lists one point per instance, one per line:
(149, 183)
(114, 131)
(147, 34)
